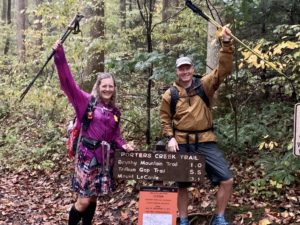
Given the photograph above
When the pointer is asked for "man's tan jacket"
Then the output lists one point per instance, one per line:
(191, 111)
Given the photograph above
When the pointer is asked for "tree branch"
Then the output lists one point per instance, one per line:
(140, 9)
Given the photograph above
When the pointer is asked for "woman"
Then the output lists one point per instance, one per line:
(90, 179)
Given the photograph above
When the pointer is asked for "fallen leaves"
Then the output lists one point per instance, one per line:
(264, 222)
(38, 197)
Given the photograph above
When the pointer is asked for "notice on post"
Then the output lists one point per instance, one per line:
(157, 205)
(297, 130)
(159, 166)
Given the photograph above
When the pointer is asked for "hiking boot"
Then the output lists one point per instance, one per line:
(218, 220)
(184, 221)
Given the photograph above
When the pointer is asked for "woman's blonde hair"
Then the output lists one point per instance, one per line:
(96, 91)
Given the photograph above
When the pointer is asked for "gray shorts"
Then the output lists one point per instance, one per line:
(216, 166)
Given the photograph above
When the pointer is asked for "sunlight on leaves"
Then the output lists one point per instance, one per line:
(264, 222)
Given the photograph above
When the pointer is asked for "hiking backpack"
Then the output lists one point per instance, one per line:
(174, 99)
(175, 95)
(74, 130)
(161, 145)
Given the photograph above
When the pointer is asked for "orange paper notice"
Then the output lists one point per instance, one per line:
(158, 205)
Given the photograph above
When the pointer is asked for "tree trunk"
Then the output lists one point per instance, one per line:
(213, 45)
(123, 14)
(8, 21)
(8, 14)
(146, 11)
(38, 25)
(165, 15)
(295, 12)
(130, 6)
(20, 20)
(96, 60)
(4, 11)
(167, 12)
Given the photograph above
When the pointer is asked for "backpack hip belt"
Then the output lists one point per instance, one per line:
(195, 132)
(92, 144)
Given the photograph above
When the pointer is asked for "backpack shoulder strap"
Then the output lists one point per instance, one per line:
(175, 96)
(174, 99)
(88, 115)
(117, 117)
(201, 93)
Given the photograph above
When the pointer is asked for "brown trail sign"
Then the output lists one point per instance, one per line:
(159, 166)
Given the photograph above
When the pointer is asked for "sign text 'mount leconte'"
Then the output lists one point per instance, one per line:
(159, 166)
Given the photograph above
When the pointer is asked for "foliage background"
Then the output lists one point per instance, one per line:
(253, 112)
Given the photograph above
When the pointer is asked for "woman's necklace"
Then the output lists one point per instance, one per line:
(105, 108)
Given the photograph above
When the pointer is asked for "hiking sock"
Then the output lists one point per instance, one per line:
(89, 214)
(74, 216)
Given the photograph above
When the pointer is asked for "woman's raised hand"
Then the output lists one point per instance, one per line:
(56, 45)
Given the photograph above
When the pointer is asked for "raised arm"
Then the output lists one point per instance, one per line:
(78, 98)
(212, 81)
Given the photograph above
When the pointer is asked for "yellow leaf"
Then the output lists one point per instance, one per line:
(262, 64)
(257, 47)
(241, 65)
(246, 54)
(277, 50)
(271, 145)
(291, 45)
(261, 145)
(273, 182)
(264, 222)
(252, 59)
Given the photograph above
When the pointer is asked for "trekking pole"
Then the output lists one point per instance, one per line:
(73, 26)
(105, 167)
(198, 11)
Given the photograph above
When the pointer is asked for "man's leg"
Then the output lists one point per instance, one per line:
(217, 169)
(223, 195)
(183, 193)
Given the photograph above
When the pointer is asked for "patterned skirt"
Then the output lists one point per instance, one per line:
(90, 177)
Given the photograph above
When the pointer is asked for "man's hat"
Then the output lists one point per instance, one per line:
(183, 61)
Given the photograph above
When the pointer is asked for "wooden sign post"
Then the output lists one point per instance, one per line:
(157, 205)
(159, 166)
(297, 130)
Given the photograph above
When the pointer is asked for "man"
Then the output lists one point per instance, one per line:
(190, 129)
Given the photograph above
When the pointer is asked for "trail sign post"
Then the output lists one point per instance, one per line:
(158, 205)
(297, 130)
(159, 166)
